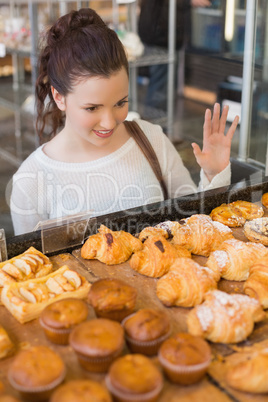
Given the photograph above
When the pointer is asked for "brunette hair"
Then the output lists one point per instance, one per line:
(79, 45)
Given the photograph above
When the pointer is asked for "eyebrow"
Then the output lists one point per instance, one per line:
(99, 104)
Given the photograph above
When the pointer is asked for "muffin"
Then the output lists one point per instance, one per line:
(59, 318)
(35, 372)
(112, 298)
(81, 391)
(134, 377)
(185, 358)
(145, 330)
(97, 343)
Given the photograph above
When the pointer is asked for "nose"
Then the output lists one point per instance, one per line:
(108, 119)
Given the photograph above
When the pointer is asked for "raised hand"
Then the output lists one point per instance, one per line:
(215, 154)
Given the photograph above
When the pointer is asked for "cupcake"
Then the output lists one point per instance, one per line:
(80, 391)
(59, 318)
(185, 358)
(145, 330)
(97, 343)
(35, 372)
(134, 377)
(112, 298)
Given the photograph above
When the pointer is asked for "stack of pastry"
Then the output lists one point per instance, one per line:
(201, 235)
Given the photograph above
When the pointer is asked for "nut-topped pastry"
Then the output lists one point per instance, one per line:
(257, 230)
(112, 298)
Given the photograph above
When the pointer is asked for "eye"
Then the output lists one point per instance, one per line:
(91, 109)
(121, 103)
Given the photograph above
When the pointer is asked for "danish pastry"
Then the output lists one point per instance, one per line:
(110, 247)
(6, 345)
(236, 213)
(157, 256)
(257, 230)
(250, 373)
(28, 265)
(264, 200)
(224, 318)
(234, 258)
(201, 235)
(185, 284)
(26, 300)
(257, 283)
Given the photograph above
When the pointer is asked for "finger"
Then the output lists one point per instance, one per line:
(207, 124)
(223, 119)
(196, 149)
(231, 131)
(216, 118)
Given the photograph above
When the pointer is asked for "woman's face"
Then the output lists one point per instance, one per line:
(96, 107)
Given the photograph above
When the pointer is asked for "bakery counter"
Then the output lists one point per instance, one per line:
(213, 386)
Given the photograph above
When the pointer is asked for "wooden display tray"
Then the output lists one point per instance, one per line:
(211, 388)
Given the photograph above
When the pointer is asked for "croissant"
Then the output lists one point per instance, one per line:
(110, 247)
(157, 256)
(167, 229)
(185, 284)
(251, 373)
(234, 258)
(224, 318)
(257, 283)
(201, 235)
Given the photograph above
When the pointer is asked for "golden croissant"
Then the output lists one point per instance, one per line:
(157, 256)
(185, 284)
(257, 283)
(201, 235)
(110, 247)
(234, 258)
(250, 374)
(224, 318)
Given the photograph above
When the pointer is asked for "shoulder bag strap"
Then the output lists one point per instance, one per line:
(145, 146)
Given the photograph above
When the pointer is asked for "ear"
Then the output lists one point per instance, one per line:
(58, 98)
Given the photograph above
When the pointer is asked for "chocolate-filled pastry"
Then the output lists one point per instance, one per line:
(257, 230)
(234, 258)
(110, 247)
(167, 229)
(157, 256)
(225, 318)
(201, 235)
(185, 284)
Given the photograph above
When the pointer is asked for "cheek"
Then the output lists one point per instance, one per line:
(122, 114)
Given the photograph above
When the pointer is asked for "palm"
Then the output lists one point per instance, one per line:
(215, 154)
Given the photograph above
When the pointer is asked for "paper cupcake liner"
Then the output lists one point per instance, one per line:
(59, 336)
(184, 374)
(97, 364)
(37, 393)
(149, 348)
(150, 396)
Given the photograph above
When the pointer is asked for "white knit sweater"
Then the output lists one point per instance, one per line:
(44, 188)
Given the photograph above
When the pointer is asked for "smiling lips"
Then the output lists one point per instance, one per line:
(103, 134)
